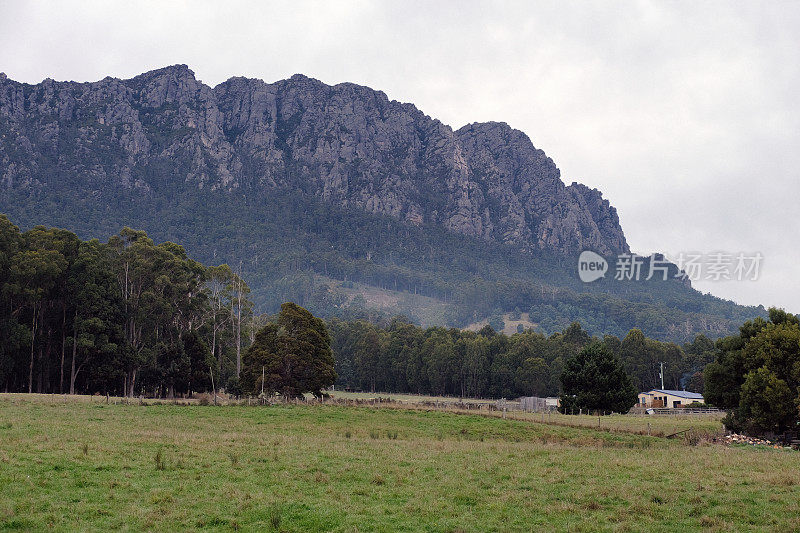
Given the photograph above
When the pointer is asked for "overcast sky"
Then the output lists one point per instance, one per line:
(685, 114)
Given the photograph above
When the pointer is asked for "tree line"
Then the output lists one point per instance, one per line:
(402, 357)
(129, 317)
(123, 317)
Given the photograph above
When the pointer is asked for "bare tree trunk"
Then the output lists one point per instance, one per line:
(45, 358)
(239, 337)
(42, 359)
(33, 336)
(214, 338)
(63, 346)
(133, 382)
(233, 321)
(74, 353)
(75, 376)
(239, 290)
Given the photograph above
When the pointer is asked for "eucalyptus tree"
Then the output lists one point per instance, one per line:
(161, 288)
(35, 273)
(12, 333)
(219, 287)
(98, 308)
(241, 308)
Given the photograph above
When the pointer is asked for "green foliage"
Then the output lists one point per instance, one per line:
(757, 375)
(201, 362)
(643, 357)
(312, 252)
(234, 387)
(595, 380)
(135, 317)
(291, 356)
(125, 317)
(404, 358)
(766, 402)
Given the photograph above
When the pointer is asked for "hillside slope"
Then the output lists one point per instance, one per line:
(297, 179)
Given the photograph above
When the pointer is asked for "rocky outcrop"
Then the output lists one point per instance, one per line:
(165, 131)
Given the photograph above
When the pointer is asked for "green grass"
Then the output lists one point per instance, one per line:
(657, 425)
(78, 465)
(404, 398)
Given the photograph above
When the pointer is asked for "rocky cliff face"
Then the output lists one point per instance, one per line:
(164, 131)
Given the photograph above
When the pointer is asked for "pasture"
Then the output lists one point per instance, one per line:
(79, 464)
(656, 425)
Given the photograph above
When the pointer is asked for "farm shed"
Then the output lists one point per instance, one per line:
(535, 403)
(671, 399)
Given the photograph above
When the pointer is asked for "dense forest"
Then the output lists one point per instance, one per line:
(133, 317)
(123, 317)
(295, 247)
(402, 357)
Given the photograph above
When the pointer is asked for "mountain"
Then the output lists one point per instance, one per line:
(312, 188)
(346, 144)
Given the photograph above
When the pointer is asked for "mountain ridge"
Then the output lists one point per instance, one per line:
(345, 143)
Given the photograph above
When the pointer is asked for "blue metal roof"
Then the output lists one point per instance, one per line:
(680, 394)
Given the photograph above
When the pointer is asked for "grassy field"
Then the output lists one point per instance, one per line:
(404, 398)
(657, 425)
(75, 464)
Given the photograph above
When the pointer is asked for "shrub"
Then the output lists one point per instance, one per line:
(233, 387)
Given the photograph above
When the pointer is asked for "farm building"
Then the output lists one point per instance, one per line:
(535, 403)
(670, 399)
